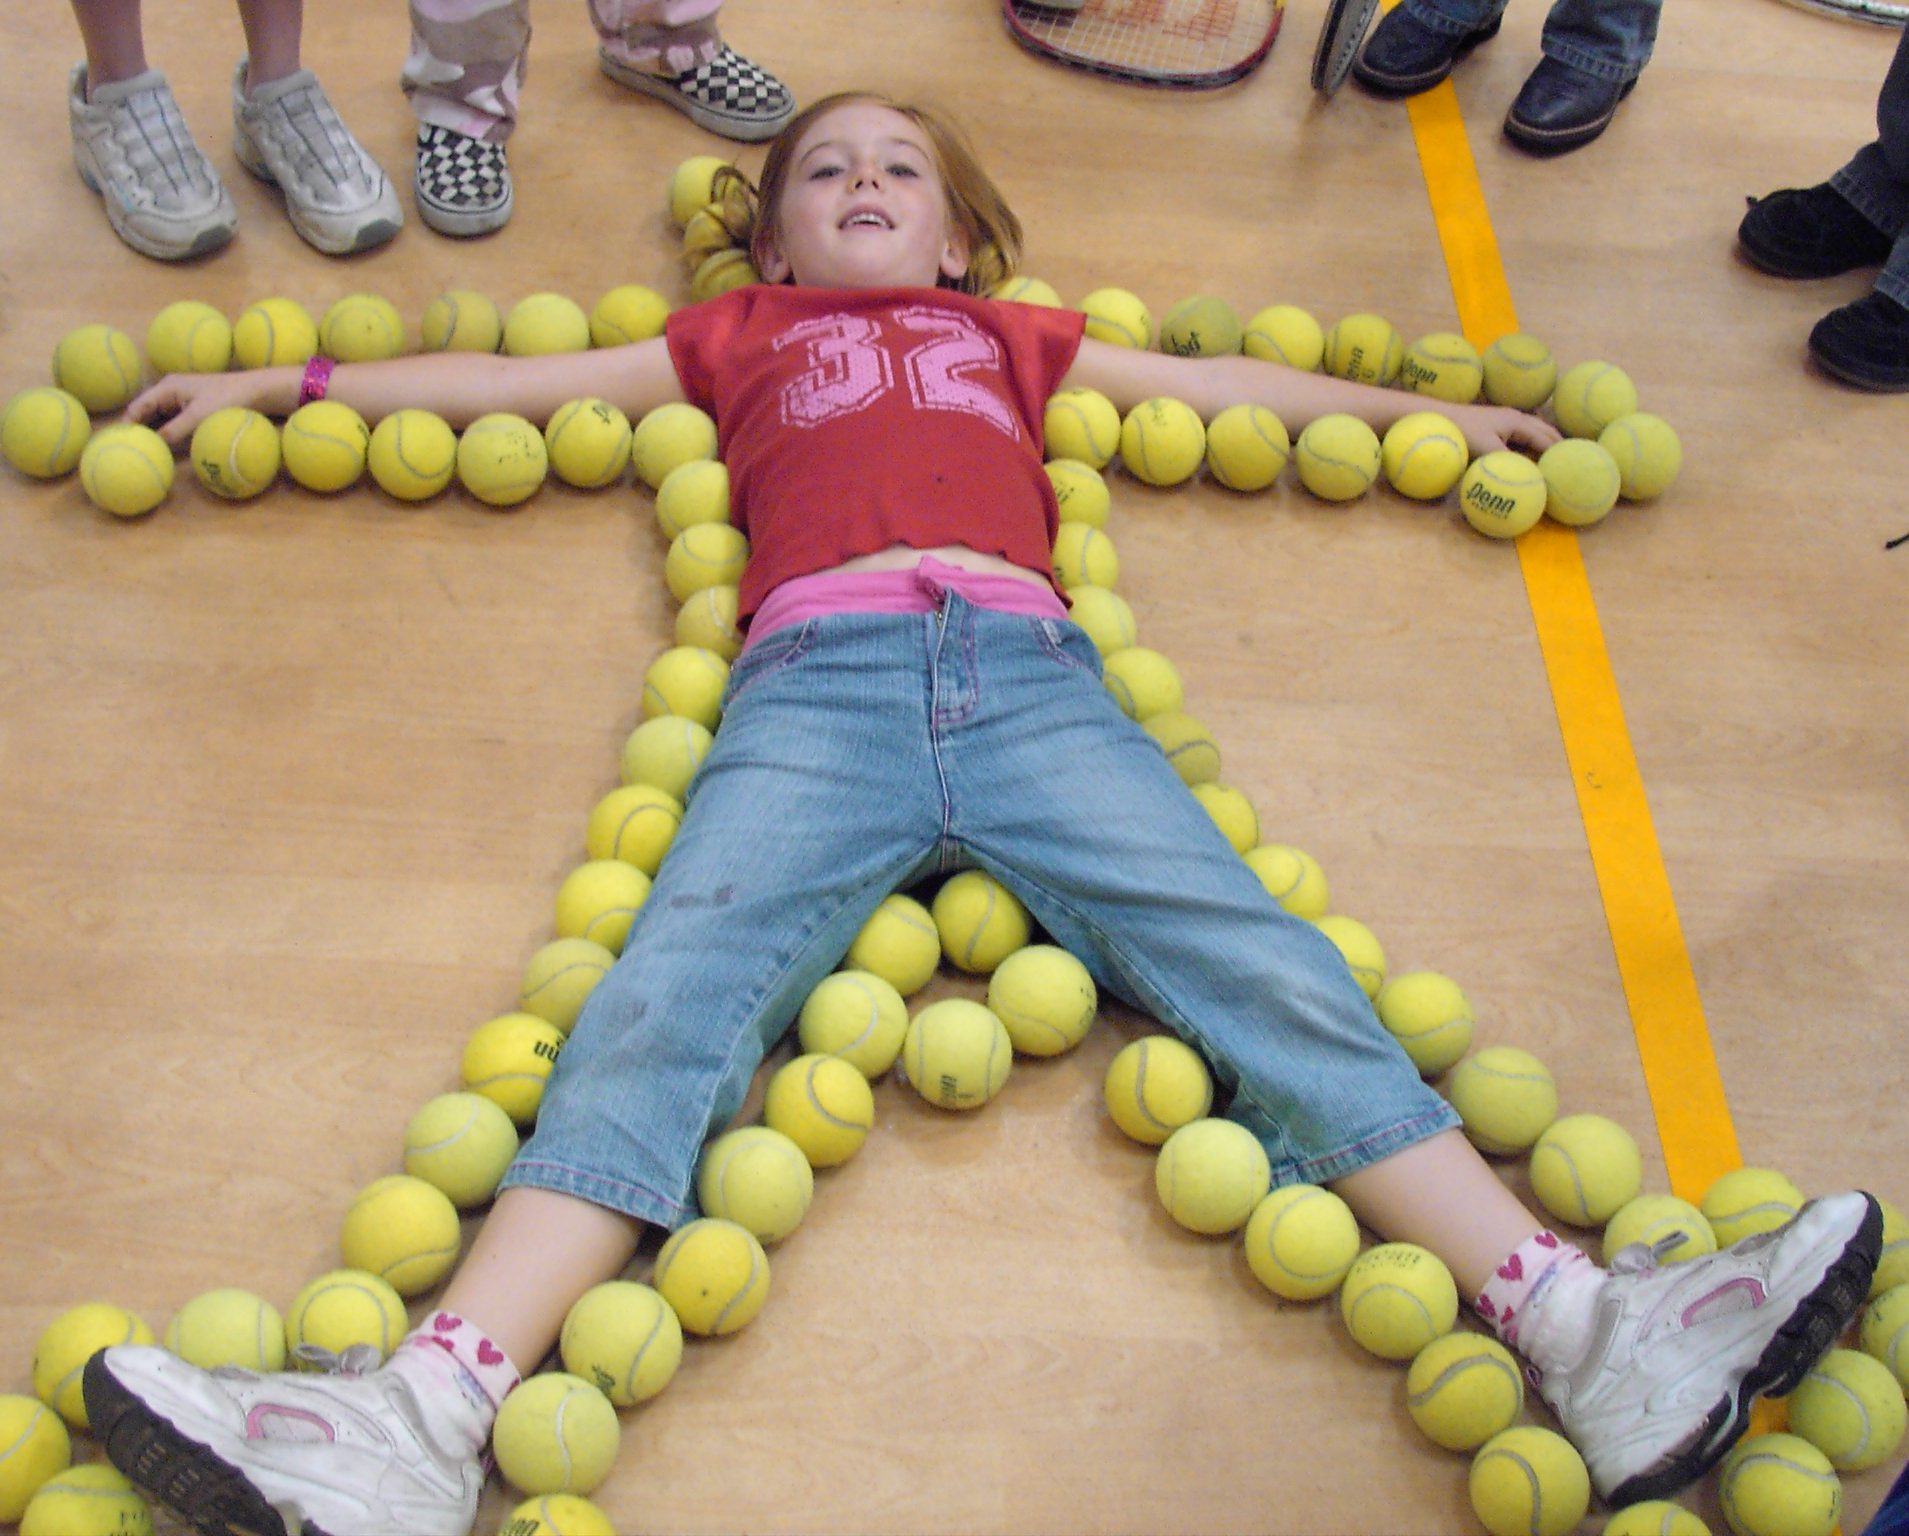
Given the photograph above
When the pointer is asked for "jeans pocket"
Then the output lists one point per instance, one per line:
(1067, 643)
(765, 659)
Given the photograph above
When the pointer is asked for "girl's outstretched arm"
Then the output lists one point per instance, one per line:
(459, 386)
(1126, 376)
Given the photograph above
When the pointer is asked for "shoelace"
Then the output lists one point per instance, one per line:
(1642, 1258)
(154, 137)
(354, 1360)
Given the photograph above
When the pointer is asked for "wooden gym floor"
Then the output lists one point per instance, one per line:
(289, 785)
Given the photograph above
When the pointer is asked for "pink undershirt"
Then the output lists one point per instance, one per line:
(916, 590)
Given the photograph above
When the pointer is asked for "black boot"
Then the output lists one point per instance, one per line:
(1810, 232)
(1865, 343)
(1562, 108)
(1403, 56)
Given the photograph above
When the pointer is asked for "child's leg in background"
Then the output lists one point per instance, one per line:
(665, 37)
(114, 35)
(272, 30)
(466, 67)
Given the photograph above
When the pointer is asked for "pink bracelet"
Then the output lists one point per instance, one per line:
(317, 377)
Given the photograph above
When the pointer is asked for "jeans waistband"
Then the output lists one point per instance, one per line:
(919, 589)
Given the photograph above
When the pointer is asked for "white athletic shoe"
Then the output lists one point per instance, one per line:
(134, 149)
(233, 1451)
(1679, 1353)
(288, 133)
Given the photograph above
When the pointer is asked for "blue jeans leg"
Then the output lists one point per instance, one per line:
(1611, 39)
(1876, 180)
(1454, 18)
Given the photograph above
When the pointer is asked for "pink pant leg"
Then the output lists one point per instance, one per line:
(465, 70)
(665, 37)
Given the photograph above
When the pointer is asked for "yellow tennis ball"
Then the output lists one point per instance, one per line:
(1779, 1485)
(68, 1342)
(557, 1514)
(599, 900)
(508, 1060)
(361, 328)
(402, 1230)
(1654, 1517)
(1581, 481)
(1365, 349)
(341, 1310)
(1232, 813)
(1430, 1016)
(44, 432)
(1527, 1481)
(1362, 951)
(708, 618)
(1118, 318)
(235, 453)
(1445, 366)
(1188, 744)
(899, 943)
(1292, 877)
(460, 1143)
(1397, 1298)
(1083, 556)
(273, 333)
(980, 921)
(501, 459)
(1106, 616)
(1300, 1241)
(588, 443)
(1647, 452)
(691, 185)
(629, 312)
(1143, 682)
(957, 1054)
(189, 337)
(704, 555)
(98, 365)
(824, 1105)
(1423, 455)
(857, 1016)
(665, 753)
(706, 233)
(413, 454)
(1155, 1085)
(324, 444)
(693, 492)
(555, 1433)
(624, 1338)
(1585, 1168)
(1246, 447)
(1503, 494)
(635, 823)
(1892, 1267)
(1210, 1175)
(1080, 493)
(1082, 424)
(34, 1447)
(1464, 1388)
(758, 1178)
(1045, 999)
(94, 1499)
(1285, 333)
(229, 1327)
(1749, 1200)
(1884, 1333)
(1851, 1409)
(1026, 290)
(560, 977)
(1162, 441)
(720, 271)
(1338, 457)
(462, 320)
(544, 324)
(688, 681)
(1655, 1219)
(1519, 372)
(1591, 396)
(1505, 1097)
(126, 469)
(714, 1275)
(1202, 326)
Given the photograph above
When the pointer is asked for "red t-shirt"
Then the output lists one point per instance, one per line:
(856, 419)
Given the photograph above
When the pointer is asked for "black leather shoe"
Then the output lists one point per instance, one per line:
(1403, 56)
(1865, 343)
(1562, 108)
(1810, 232)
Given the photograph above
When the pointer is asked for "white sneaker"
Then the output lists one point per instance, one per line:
(288, 133)
(133, 148)
(232, 1450)
(1678, 1354)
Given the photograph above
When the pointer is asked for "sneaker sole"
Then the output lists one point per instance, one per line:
(462, 225)
(175, 1469)
(1815, 1326)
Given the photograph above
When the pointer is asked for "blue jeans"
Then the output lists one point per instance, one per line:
(1876, 181)
(861, 752)
(1611, 39)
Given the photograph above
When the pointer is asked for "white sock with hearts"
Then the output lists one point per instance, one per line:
(459, 1376)
(1542, 1301)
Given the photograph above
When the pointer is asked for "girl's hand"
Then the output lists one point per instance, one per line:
(180, 401)
(1490, 427)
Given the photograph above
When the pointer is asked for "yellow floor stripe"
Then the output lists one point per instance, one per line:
(1680, 1067)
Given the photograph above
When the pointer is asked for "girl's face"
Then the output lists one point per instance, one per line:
(863, 206)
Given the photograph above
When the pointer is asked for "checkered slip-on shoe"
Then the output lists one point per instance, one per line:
(463, 184)
(728, 95)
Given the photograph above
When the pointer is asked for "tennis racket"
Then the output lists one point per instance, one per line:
(1339, 40)
(1183, 44)
(1882, 12)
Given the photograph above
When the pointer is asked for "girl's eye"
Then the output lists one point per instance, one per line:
(902, 168)
(821, 171)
